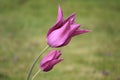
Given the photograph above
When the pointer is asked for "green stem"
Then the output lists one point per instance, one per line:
(35, 74)
(30, 71)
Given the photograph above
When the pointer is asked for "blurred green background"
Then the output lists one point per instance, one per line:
(91, 56)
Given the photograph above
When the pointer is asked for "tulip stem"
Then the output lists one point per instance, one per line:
(31, 68)
(35, 74)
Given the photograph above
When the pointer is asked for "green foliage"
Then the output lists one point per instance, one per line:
(91, 56)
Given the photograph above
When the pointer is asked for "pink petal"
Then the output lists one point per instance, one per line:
(77, 32)
(74, 27)
(49, 56)
(71, 19)
(53, 62)
(60, 14)
(59, 36)
(49, 65)
(58, 54)
(59, 21)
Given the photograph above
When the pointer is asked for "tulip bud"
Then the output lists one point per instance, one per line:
(50, 60)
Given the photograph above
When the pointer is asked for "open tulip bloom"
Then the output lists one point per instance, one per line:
(62, 32)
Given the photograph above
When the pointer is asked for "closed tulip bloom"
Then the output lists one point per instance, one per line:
(51, 59)
(63, 31)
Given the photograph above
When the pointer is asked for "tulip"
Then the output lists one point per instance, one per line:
(63, 31)
(51, 59)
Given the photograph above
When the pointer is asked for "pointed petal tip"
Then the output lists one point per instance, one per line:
(78, 32)
(60, 15)
(88, 30)
(85, 31)
(78, 25)
(61, 59)
(59, 7)
(59, 52)
(74, 14)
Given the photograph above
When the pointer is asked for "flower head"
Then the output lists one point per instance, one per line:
(51, 59)
(63, 31)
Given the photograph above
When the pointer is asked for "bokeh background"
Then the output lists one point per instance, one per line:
(91, 56)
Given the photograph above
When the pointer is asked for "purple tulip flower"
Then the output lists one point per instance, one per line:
(62, 32)
(50, 60)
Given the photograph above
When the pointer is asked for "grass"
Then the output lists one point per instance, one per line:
(92, 56)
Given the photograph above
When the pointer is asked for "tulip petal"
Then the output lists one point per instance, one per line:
(45, 66)
(59, 36)
(74, 27)
(72, 30)
(58, 54)
(49, 56)
(59, 22)
(49, 65)
(60, 14)
(71, 19)
(77, 32)
(55, 61)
